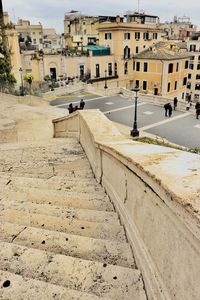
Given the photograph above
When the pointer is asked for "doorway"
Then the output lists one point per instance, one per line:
(53, 73)
(156, 91)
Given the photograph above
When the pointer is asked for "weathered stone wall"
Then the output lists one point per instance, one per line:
(156, 192)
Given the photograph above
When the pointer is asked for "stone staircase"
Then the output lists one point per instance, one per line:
(60, 235)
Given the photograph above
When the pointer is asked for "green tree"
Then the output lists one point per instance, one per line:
(7, 80)
(28, 77)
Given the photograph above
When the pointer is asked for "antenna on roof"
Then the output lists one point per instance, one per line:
(138, 6)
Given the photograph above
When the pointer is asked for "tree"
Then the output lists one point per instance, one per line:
(28, 77)
(7, 80)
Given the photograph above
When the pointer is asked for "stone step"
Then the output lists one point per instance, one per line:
(102, 204)
(16, 287)
(34, 193)
(113, 282)
(63, 212)
(109, 252)
(73, 226)
(78, 168)
(64, 185)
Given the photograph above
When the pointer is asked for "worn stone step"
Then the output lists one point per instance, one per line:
(110, 281)
(16, 287)
(53, 183)
(63, 212)
(73, 226)
(102, 204)
(110, 252)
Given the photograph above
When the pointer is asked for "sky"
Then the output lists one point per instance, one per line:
(51, 12)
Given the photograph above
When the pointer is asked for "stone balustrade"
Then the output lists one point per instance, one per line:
(156, 192)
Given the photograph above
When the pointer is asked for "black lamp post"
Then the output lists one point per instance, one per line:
(135, 131)
(105, 86)
(22, 84)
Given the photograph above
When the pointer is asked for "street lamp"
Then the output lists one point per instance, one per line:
(22, 84)
(135, 131)
(105, 86)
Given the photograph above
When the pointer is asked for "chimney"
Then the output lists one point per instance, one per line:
(118, 19)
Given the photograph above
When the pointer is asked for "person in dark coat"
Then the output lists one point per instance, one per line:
(82, 104)
(170, 110)
(175, 102)
(166, 107)
(70, 108)
(197, 107)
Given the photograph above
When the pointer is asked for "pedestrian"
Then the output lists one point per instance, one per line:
(170, 110)
(175, 102)
(82, 104)
(70, 108)
(166, 109)
(197, 107)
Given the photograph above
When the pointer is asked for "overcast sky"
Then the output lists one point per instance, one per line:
(51, 12)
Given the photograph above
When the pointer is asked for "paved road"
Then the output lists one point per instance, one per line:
(182, 128)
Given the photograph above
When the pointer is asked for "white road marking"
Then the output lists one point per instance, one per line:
(85, 100)
(109, 103)
(122, 108)
(165, 121)
(197, 126)
(148, 113)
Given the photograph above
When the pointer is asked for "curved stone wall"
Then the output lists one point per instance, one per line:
(156, 192)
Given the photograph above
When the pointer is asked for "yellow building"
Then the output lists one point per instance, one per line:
(162, 70)
(126, 39)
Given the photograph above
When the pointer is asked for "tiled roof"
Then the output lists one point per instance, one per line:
(164, 51)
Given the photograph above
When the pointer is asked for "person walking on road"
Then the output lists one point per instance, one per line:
(166, 107)
(175, 102)
(82, 104)
(70, 108)
(170, 110)
(197, 107)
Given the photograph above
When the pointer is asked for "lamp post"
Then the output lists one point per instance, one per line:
(22, 84)
(135, 131)
(105, 86)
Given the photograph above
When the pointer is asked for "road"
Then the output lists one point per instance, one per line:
(182, 128)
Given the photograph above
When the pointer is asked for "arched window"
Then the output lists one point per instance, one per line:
(127, 52)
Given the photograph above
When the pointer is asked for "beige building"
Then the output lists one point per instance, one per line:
(81, 30)
(179, 28)
(52, 41)
(193, 85)
(162, 70)
(28, 33)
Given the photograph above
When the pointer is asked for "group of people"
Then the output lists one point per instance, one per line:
(168, 107)
(72, 108)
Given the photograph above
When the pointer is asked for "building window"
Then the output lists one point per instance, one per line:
(41, 41)
(137, 83)
(155, 36)
(144, 85)
(191, 66)
(145, 67)
(137, 36)
(126, 68)
(192, 48)
(137, 66)
(137, 49)
(183, 95)
(189, 76)
(177, 67)
(198, 76)
(81, 70)
(127, 52)
(134, 66)
(198, 67)
(34, 41)
(115, 69)
(97, 70)
(168, 87)
(197, 86)
(108, 36)
(110, 69)
(186, 64)
(145, 36)
(170, 68)
(184, 81)
(175, 85)
(127, 36)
